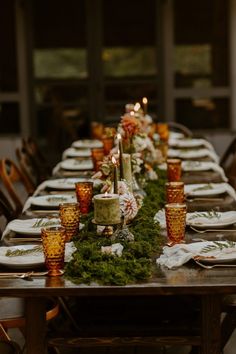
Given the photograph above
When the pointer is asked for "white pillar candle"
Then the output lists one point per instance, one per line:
(106, 209)
(127, 169)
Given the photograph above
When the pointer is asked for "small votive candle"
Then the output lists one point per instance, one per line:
(175, 222)
(69, 214)
(174, 170)
(175, 192)
(107, 209)
(84, 195)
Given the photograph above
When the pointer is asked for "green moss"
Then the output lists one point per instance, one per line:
(88, 264)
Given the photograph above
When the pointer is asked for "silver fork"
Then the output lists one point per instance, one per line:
(214, 265)
(212, 230)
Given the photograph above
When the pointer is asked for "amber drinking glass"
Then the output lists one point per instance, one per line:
(53, 240)
(108, 143)
(175, 222)
(97, 157)
(97, 130)
(175, 192)
(174, 170)
(69, 215)
(163, 131)
(84, 195)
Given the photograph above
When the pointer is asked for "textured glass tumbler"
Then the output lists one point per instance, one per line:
(84, 195)
(175, 222)
(69, 215)
(108, 143)
(53, 240)
(175, 192)
(97, 157)
(174, 170)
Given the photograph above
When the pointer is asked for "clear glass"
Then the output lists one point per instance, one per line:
(131, 61)
(60, 63)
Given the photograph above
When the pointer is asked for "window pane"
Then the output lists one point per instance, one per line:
(9, 116)
(201, 48)
(60, 63)
(203, 113)
(8, 68)
(121, 62)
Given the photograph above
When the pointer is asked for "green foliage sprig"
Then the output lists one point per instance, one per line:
(89, 264)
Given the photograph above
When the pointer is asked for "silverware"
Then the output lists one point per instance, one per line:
(222, 265)
(212, 230)
(22, 275)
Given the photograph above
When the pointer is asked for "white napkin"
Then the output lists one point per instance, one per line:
(204, 166)
(188, 143)
(179, 254)
(193, 153)
(224, 187)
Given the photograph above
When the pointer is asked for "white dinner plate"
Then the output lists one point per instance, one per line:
(76, 165)
(73, 152)
(188, 154)
(214, 252)
(87, 144)
(30, 260)
(52, 200)
(176, 135)
(211, 219)
(204, 189)
(32, 226)
(64, 183)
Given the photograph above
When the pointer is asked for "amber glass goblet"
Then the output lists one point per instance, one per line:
(175, 222)
(84, 195)
(174, 170)
(97, 130)
(108, 143)
(175, 192)
(69, 215)
(53, 240)
(97, 157)
(163, 131)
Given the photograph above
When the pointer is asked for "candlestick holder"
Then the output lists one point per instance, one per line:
(122, 233)
(108, 229)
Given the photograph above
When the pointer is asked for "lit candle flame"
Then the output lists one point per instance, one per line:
(132, 113)
(113, 159)
(137, 107)
(145, 100)
(118, 136)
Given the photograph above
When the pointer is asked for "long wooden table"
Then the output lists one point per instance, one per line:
(208, 286)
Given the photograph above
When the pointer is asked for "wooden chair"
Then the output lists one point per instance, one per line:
(14, 180)
(180, 128)
(37, 160)
(9, 347)
(26, 166)
(228, 162)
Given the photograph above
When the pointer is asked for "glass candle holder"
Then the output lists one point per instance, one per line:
(53, 240)
(108, 143)
(175, 222)
(174, 170)
(97, 157)
(84, 195)
(175, 192)
(69, 214)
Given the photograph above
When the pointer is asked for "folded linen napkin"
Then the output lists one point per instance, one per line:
(179, 254)
(197, 153)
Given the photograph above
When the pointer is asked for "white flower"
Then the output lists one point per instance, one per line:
(139, 143)
(128, 206)
(122, 187)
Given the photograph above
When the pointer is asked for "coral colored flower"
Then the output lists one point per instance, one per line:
(130, 125)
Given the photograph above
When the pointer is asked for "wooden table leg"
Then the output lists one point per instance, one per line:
(35, 325)
(211, 332)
